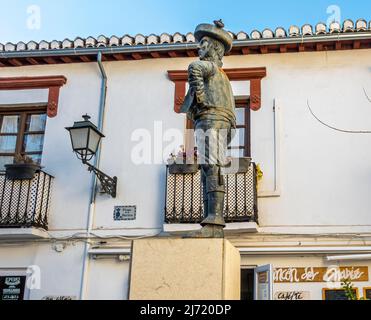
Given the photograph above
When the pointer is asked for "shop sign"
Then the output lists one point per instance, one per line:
(292, 295)
(12, 288)
(319, 274)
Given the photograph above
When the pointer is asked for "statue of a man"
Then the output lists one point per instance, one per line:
(210, 104)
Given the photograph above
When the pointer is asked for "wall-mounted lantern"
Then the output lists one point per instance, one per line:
(85, 139)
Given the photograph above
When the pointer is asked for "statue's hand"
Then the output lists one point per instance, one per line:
(201, 99)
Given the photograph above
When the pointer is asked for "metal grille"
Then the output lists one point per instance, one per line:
(25, 203)
(184, 198)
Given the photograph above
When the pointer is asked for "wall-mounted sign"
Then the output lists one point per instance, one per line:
(125, 213)
(367, 293)
(292, 295)
(336, 294)
(12, 288)
(322, 274)
(60, 298)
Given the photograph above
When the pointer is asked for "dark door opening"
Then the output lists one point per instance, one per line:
(247, 284)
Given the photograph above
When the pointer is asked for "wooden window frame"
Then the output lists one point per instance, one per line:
(244, 102)
(52, 83)
(254, 75)
(22, 110)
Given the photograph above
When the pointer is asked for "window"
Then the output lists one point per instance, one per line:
(241, 144)
(22, 131)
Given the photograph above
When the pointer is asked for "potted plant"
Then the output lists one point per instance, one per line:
(183, 162)
(23, 168)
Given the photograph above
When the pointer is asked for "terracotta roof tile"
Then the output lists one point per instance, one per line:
(43, 45)
(127, 40)
(178, 38)
(307, 30)
(321, 28)
(347, 26)
(114, 41)
(190, 37)
(280, 33)
(242, 36)
(55, 45)
(21, 46)
(140, 40)
(67, 43)
(361, 25)
(32, 45)
(267, 33)
(255, 34)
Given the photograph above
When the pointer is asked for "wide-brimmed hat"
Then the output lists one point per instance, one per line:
(215, 32)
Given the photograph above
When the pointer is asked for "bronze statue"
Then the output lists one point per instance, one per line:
(210, 104)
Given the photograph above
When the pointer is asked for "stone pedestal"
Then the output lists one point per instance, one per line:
(184, 269)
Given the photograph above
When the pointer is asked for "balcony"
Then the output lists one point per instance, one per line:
(184, 198)
(24, 203)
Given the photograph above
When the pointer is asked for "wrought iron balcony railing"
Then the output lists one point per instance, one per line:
(184, 198)
(25, 203)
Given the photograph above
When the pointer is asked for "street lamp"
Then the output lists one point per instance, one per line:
(85, 139)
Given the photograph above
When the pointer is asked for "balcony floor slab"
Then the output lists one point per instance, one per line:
(23, 233)
(248, 227)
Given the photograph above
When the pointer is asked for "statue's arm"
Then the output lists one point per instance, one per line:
(198, 72)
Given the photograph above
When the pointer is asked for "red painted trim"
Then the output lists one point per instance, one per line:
(53, 83)
(180, 77)
(180, 92)
(255, 94)
(32, 82)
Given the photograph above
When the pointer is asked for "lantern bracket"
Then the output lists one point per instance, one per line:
(108, 184)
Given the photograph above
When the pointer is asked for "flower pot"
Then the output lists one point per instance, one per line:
(177, 168)
(237, 165)
(21, 171)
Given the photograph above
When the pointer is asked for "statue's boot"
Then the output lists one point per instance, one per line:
(215, 209)
(213, 224)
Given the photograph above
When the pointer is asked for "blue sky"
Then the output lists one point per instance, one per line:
(60, 19)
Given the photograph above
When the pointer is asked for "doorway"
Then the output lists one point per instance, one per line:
(247, 284)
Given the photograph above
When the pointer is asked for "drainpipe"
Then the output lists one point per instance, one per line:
(92, 198)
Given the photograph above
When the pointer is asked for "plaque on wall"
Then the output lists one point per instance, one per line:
(12, 288)
(125, 213)
(336, 294)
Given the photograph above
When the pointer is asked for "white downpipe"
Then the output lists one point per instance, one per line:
(89, 227)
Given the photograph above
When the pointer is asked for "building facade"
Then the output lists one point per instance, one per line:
(300, 213)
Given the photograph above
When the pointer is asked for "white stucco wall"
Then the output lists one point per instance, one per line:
(57, 273)
(324, 174)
